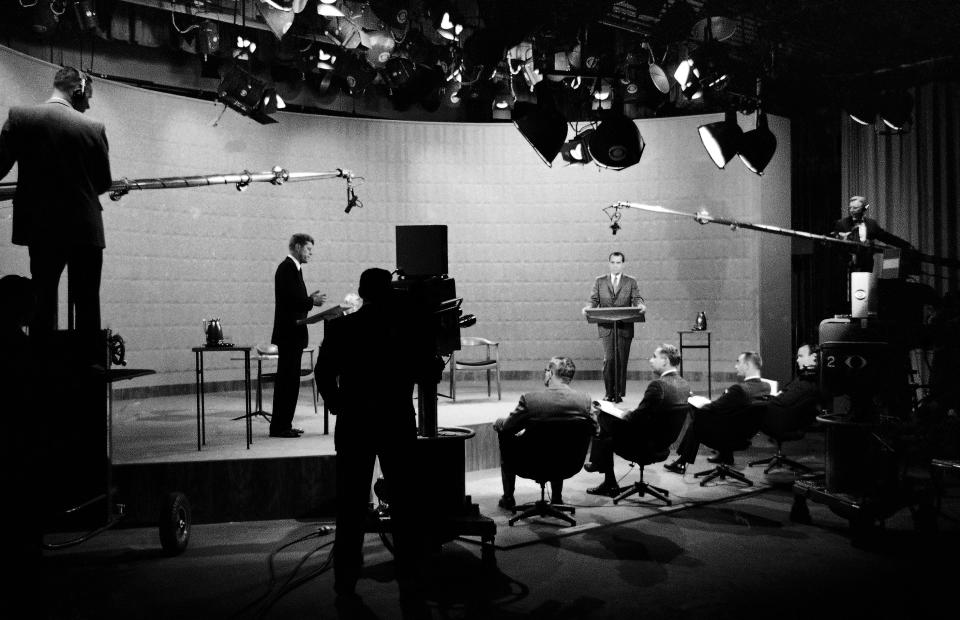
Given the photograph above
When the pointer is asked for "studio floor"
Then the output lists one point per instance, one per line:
(732, 552)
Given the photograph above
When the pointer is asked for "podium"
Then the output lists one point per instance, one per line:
(616, 316)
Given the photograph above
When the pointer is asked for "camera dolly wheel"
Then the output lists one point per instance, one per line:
(175, 523)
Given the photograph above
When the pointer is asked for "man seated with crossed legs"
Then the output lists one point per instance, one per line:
(663, 393)
(733, 399)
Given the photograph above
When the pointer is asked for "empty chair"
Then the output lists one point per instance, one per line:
(729, 433)
(548, 449)
(268, 352)
(489, 361)
(648, 443)
(783, 424)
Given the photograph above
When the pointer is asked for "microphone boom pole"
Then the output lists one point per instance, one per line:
(276, 176)
(702, 217)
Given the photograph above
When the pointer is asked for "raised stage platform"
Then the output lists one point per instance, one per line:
(155, 452)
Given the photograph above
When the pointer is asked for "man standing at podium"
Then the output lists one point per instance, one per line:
(616, 290)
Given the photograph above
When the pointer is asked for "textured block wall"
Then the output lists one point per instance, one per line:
(525, 240)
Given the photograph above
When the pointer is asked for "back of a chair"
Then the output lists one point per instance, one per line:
(788, 422)
(732, 431)
(550, 448)
(650, 441)
(491, 351)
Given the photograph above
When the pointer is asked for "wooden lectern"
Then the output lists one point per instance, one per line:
(616, 316)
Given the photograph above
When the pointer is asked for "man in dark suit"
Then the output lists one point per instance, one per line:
(802, 395)
(63, 167)
(616, 290)
(856, 226)
(558, 400)
(733, 399)
(376, 418)
(291, 304)
(668, 391)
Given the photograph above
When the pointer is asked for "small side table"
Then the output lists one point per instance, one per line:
(699, 345)
(201, 409)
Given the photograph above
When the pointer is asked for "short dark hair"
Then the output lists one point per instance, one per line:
(375, 285)
(671, 352)
(753, 357)
(563, 367)
(620, 254)
(300, 239)
(68, 80)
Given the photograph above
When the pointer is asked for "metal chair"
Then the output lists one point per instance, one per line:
(268, 352)
(490, 362)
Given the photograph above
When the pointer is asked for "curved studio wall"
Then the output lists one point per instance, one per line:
(525, 240)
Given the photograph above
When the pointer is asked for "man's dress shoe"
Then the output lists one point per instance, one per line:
(605, 489)
(677, 467)
(290, 433)
(590, 467)
(507, 503)
(298, 431)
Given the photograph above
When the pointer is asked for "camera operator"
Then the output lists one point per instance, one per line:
(376, 418)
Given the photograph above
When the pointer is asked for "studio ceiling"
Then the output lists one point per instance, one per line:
(392, 58)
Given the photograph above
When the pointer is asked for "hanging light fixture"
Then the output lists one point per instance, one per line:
(722, 138)
(575, 150)
(758, 146)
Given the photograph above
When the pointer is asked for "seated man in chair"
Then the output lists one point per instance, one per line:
(668, 391)
(733, 399)
(559, 399)
(802, 394)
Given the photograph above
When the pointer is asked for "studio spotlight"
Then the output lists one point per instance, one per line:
(449, 25)
(328, 8)
(575, 150)
(616, 143)
(657, 75)
(503, 101)
(862, 112)
(758, 145)
(86, 13)
(543, 127)
(715, 15)
(246, 94)
(208, 38)
(279, 16)
(687, 76)
(895, 109)
(722, 138)
(602, 95)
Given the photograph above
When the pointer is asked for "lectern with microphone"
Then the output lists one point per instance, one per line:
(616, 316)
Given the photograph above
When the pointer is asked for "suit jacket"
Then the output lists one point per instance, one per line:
(556, 400)
(862, 259)
(661, 394)
(63, 167)
(800, 397)
(738, 396)
(291, 303)
(603, 296)
(369, 403)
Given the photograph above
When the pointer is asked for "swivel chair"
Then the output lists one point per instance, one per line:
(645, 444)
(782, 424)
(548, 449)
(729, 433)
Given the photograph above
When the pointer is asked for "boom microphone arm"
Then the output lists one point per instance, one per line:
(702, 217)
(276, 176)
